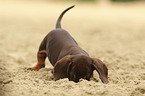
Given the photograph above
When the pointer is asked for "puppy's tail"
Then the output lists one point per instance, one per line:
(58, 25)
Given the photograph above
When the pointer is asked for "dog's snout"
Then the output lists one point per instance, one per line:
(76, 81)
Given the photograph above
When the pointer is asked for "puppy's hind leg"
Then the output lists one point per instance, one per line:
(40, 61)
(41, 56)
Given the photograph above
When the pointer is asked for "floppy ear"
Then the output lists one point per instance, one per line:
(101, 68)
(62, 67)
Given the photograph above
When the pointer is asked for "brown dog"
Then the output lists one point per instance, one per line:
(68, 59)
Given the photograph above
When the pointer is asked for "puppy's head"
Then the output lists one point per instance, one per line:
(76, 67)
(80, 68)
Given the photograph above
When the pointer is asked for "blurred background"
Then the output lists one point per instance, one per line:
(99, 19)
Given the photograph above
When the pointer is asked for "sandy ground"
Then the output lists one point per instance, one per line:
(112, 33)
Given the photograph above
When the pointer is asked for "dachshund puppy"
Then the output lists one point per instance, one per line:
(69, 60)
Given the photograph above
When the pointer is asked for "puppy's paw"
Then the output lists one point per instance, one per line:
(33, 68)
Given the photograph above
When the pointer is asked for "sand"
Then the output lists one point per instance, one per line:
(113, 33)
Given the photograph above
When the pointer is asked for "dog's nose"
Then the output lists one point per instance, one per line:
(76, 81)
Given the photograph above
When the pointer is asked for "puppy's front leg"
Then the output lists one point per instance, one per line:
(41, 56)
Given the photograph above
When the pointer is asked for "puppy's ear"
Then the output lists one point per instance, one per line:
(101, 68)
(61, 67)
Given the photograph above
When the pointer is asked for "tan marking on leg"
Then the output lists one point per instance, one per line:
(41, 61)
